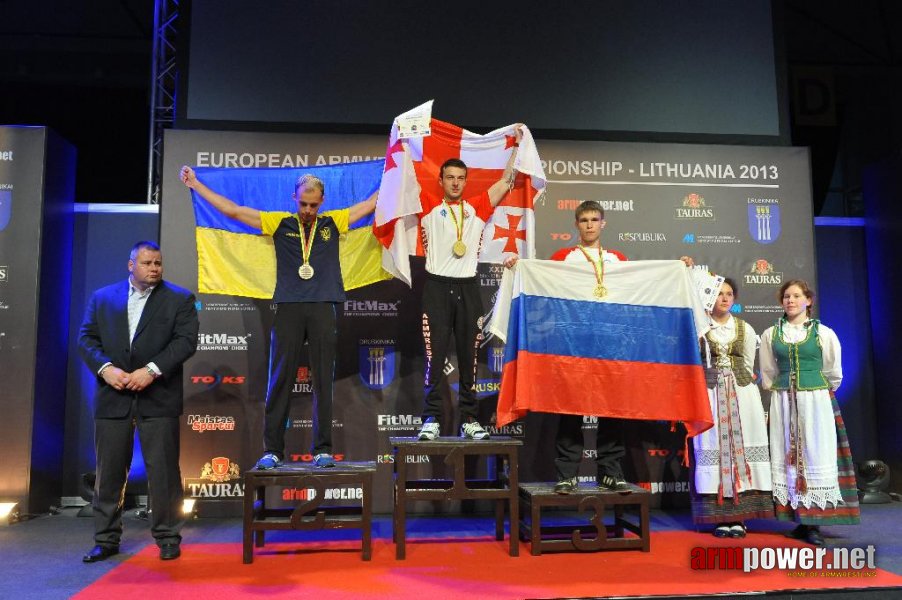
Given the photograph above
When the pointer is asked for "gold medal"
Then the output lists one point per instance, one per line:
(600, 291)
(305, 271)
(459, 248)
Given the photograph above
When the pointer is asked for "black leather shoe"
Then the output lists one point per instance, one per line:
(814, 536)
(98, 553)
(799, 533)
(170, 551)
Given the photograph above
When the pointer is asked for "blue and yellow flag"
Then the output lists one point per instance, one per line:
(237, 260)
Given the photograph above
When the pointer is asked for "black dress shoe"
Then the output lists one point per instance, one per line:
(799, 533)
(98, 553)
(814, 536)
(170, 551)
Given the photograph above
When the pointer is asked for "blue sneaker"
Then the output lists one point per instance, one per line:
(269, 461)
(324, 461)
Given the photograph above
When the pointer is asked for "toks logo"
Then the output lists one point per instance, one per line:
(693, 207)
(762, 273)
(309, 457)
(219, 478)
(214, 380)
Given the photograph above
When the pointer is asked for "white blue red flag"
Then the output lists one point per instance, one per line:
(633, 354)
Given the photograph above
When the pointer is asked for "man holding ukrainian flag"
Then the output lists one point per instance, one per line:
(308, 285)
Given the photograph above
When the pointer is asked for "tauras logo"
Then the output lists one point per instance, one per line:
(202, 423)
(762, 273)
(219, 478)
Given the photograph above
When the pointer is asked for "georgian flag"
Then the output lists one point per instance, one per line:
(412, 168)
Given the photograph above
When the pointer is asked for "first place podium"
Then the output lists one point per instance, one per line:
(502, 487)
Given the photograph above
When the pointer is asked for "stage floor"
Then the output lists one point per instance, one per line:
(447, 558)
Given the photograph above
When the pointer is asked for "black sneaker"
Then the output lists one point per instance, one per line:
(614, 484)
(566, 486)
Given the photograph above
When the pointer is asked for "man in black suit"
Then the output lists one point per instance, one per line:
(136, 334)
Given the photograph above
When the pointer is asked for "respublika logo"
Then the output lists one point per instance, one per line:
(693, 207)
(376, 363)
(764, 219)
(763, 273)
(644, 236)
(6, 205)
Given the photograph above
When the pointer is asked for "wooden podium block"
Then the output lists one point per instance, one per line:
(310, 514)
(502, 488)
(593, 536)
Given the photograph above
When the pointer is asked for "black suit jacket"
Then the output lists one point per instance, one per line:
(166, 335)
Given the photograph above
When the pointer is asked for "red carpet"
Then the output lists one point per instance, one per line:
(445, 568)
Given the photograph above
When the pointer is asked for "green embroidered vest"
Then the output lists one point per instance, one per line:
(729, 356)
(803, 360)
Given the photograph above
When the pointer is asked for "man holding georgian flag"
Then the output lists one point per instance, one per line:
(423, 210)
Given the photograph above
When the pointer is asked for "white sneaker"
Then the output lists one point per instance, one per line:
(430, 430)
(473, 431)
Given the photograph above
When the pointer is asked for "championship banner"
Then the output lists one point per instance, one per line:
(236, 259)
(417, 147)
(630, 352)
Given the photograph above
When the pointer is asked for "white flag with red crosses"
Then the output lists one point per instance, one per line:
(412, 168)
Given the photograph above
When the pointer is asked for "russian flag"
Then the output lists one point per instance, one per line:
(633, 354)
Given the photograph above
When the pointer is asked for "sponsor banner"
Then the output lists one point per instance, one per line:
(202, 423)
(220, 479)
(726, 206)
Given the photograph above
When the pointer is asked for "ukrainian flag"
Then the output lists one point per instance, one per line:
(237, 260)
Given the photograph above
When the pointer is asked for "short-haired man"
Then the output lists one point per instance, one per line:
(609, 435)
(451, 228)
(308, 286)
(136, 335)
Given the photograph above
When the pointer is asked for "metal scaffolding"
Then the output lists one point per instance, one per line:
(163, 88)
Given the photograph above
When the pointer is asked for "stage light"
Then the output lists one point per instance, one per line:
(188, 507)
(873, 481)
(9, 513)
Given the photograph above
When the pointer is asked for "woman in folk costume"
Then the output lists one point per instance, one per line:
(813, 475)
(732, 461)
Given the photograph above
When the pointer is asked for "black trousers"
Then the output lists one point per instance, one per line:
(113, 443)
(608, 442)
(451, 308)
(295, 323)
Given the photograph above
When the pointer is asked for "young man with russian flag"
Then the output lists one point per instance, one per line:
(451, 230)
(609, 443)
(308, 286)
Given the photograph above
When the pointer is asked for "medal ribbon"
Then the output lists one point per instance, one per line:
(306, 241)
(458, 224)
(599, 266)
